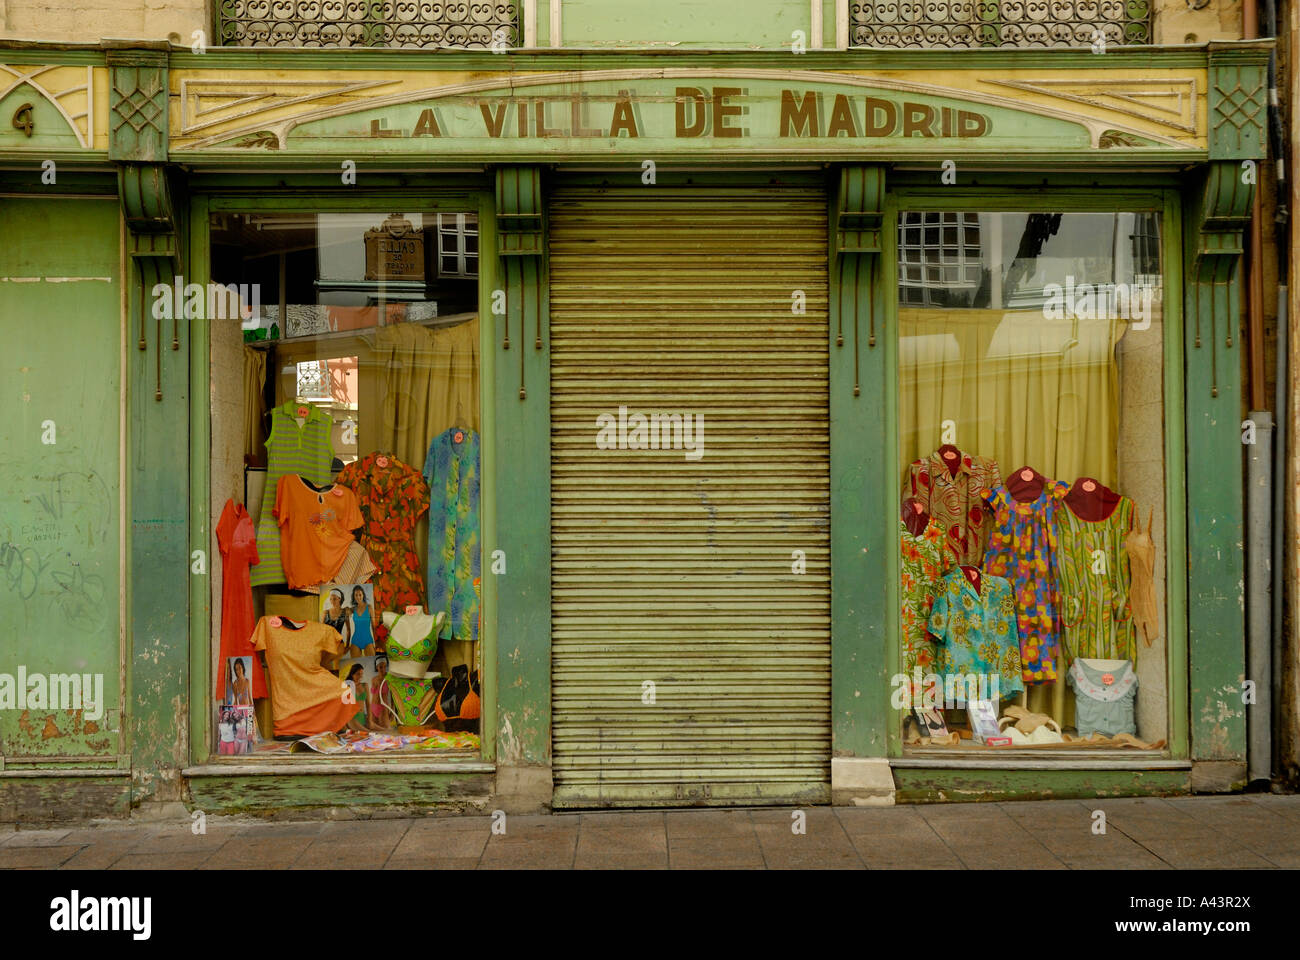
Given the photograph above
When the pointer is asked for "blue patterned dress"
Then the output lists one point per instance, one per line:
(977, 632)
(451, 469)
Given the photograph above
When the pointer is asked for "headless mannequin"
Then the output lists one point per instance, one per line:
(1026, 485)
(915, 516)
(973, 575)
(951, 457)
(1090, 500)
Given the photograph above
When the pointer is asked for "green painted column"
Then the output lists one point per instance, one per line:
(522, 458)
(1215, 557)
(158, 434)
(1219, 212)
(862, 491)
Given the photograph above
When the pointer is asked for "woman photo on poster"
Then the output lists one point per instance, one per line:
(226, 731)
(237, 729)
(361, 638)
(376, 692)
(356, 680)
(334, 614)
(237, 683)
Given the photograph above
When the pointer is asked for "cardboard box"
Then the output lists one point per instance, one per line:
(296, 608)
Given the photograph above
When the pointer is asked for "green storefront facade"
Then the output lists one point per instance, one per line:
(539, 145)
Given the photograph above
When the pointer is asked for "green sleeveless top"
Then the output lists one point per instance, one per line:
(306, 451)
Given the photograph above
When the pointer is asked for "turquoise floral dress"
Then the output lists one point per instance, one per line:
(451, 469)
(1022, 548)
(976, 633)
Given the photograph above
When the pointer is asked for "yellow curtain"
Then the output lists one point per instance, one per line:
(428, 382)
(1016, 387)
(1021, 389)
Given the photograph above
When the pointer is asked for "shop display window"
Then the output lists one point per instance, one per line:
(345, 479)
(1031, 503)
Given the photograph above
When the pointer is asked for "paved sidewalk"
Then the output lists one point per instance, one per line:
(1233, 833)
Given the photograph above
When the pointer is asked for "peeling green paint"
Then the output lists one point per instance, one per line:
(265, 793)
(921, 785)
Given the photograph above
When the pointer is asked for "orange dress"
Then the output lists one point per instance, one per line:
(237, 539)
(315, 530)
(306, 698)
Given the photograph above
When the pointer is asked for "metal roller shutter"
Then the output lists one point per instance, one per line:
(679, 571)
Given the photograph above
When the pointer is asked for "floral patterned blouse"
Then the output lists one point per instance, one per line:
(955, 502)
(977, 632)
(1022, 548)
(924, 560)
(392, 499)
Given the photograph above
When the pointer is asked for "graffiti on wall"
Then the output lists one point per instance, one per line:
(54, 537)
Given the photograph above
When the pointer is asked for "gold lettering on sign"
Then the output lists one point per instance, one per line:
(395, 250)
(799, 120)
(718, 113)
(427, 125)
(624, 117)
(694, 98)
(494, 123)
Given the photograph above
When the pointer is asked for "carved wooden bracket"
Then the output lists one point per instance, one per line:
(1223, 214)
(137, 142)
(859, 215)
(521, 241)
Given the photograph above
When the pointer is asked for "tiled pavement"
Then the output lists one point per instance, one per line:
(1255, 831)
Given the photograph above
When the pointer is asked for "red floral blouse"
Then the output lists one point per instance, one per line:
(392, 499)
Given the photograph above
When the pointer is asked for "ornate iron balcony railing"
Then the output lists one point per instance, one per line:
(999, 23)
(366, 23)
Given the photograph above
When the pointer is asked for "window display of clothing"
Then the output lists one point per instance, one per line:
(924, 562)
(317, 527)
(451, 469)
(949, 482)
(290, 449)
(306, 697)
(1022, 548)
(976, 631)
(392, 496)
(238, 545)
(1093, 572)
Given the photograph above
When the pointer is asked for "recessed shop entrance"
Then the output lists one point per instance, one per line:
(690, 518)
